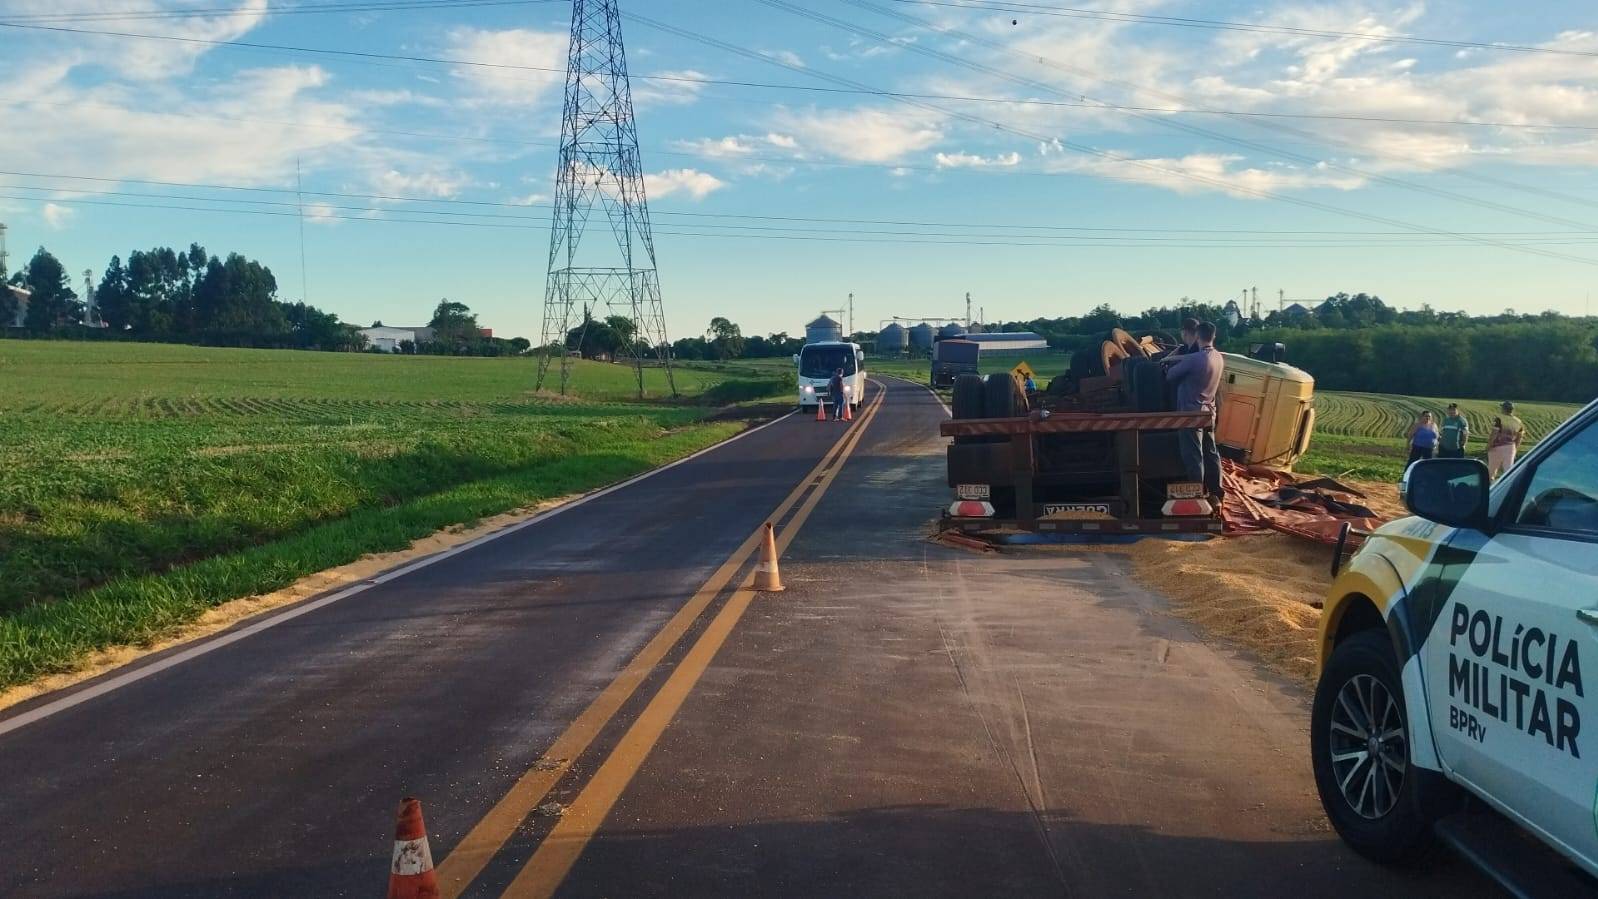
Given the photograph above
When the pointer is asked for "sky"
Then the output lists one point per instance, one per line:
(1044, 156)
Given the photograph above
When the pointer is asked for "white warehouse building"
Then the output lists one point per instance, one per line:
(387, 339)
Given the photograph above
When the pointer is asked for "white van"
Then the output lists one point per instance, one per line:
(817, 362)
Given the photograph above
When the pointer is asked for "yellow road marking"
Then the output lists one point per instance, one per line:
(560, 850)
(468, 859)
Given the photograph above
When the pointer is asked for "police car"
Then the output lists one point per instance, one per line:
(1453, 654)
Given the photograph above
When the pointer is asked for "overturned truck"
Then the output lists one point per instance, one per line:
(1096, 452)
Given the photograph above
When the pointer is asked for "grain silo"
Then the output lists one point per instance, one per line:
(951, 330)
(822, 330)
(921, 337)
(893, 340)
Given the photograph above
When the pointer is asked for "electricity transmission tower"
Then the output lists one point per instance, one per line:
(599, 166)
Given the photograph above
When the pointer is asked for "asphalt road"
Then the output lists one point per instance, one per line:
(591, 706)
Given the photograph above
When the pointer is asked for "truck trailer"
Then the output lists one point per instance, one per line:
(1096, 452)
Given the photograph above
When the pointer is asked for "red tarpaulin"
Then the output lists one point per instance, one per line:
(1260, 499)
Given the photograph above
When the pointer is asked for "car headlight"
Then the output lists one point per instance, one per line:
(847, 389)
(808, 389)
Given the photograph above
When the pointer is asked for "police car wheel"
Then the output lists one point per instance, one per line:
(1359, 744)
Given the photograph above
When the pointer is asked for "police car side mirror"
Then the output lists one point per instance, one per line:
(1451, 492)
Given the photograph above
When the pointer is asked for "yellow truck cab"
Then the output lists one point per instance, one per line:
(1453, 653)
(1266, 412)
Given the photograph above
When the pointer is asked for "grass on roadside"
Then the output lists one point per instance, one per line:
(51, 637)
(140, 484)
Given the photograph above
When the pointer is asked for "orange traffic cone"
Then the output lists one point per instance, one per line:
(766, 578)
(847, 415)
(411, 876)
(821, 412)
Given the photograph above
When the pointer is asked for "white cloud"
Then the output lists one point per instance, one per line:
(786, 56)
(973, 161)
(57, 216)
(511, 47)
(232, 132)
(322, 214)
(719, 147)
(1209, 172)
(432, 185)
(863, 134)
(692, 182)
(677, 87)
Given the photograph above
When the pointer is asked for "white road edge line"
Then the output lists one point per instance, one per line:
(947, 412)
(209, 644)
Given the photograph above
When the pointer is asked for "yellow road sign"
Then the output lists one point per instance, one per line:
(1023, 371)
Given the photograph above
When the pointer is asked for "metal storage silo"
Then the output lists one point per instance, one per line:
(893, 339)
(951, 330)
(823, 329)
(921, 337)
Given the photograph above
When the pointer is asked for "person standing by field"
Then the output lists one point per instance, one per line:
(1422, 439)
(1504, 440)
(1197, 376)
(1455, 434)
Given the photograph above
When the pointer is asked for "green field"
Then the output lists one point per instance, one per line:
(141, 483)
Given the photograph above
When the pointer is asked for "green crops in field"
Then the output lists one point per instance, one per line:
(122, 460)
(1391, 416)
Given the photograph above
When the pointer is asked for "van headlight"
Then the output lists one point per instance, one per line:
(807, 389)
(847, 390)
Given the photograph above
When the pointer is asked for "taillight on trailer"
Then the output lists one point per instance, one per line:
(1183, 508)
(967, 508)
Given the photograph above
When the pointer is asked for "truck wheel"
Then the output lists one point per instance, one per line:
(1002, 397)
(1145, 380)
(1376, 799)
(967, 397)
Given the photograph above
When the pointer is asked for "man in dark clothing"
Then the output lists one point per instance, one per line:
(1189, 337)
(1197, 376)
(835, 393)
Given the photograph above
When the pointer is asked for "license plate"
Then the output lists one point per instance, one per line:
(1184, 490)
(1076, 511)
(974, 491)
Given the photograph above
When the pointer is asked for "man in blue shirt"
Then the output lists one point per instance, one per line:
(1197, 376)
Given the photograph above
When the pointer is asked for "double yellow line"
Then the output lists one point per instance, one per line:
(560, 850)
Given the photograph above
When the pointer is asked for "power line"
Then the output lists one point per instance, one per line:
(393, 198)
(1264, 124)
(238, 12)
(1228, 238)
(1156, 120)
(1245, 236)
(934, 240)
(375, 57)
(1118, 158)
(1071, 12)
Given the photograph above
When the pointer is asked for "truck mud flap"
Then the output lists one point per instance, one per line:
(980, 463)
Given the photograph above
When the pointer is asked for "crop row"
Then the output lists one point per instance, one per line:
(1392, 416)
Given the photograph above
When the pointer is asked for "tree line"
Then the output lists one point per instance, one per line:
(183, 296)
(1551, 358)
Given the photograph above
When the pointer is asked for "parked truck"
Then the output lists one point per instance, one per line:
(954, 357)
(1096, 451)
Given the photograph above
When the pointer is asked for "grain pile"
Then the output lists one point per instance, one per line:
(1262, 591)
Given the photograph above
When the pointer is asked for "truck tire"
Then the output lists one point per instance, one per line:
(1385, 814)
(1002, 397)
(968, 393)
(1145, 382)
